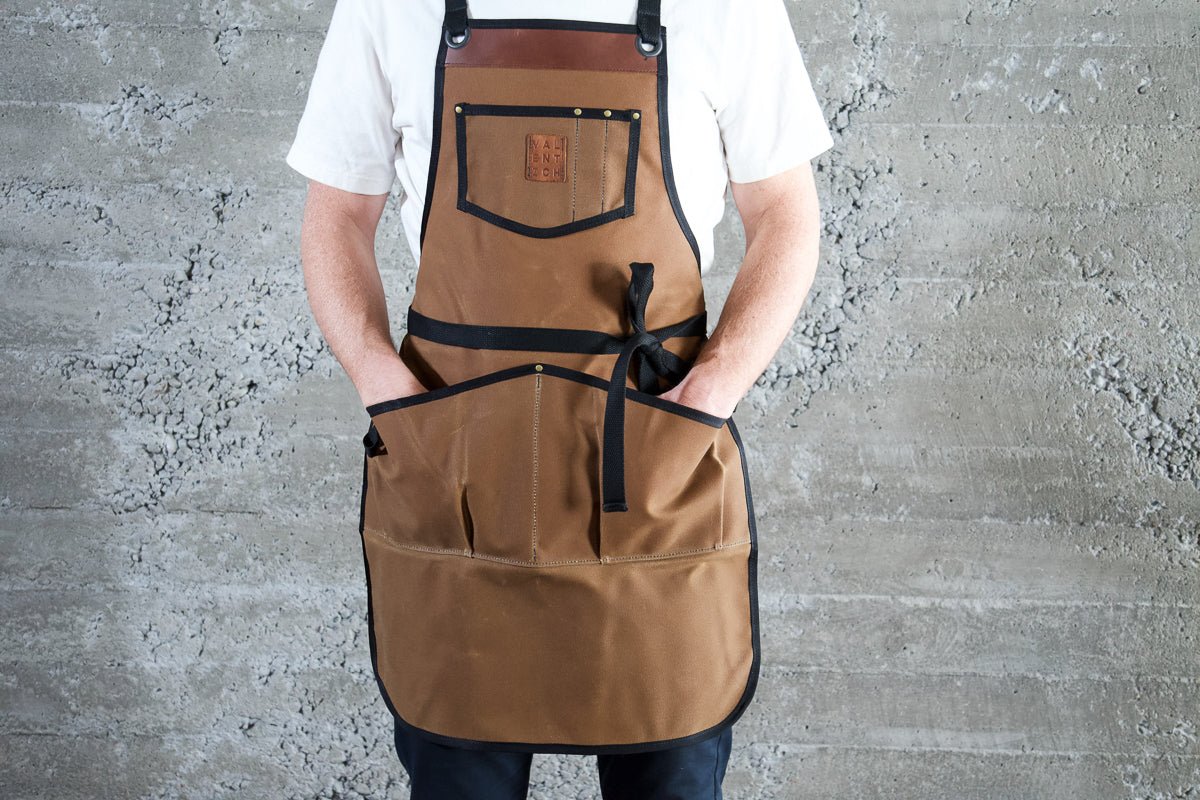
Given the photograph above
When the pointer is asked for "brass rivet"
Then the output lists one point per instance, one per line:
(537, 367)
(578, 111)
(607, 113)
(458, 109)
(637, 115)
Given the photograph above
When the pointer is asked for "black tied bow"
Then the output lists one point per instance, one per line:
(653, 360)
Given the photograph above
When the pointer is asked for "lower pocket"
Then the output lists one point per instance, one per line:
(456, 469)
(508, 465)
(683, 484)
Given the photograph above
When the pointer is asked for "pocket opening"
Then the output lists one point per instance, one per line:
(679, 480)
(525, 486)
(455, 469)
(430, 395)
(712, 420)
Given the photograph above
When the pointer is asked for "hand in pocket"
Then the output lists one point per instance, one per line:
(685, 394)
(387, 379)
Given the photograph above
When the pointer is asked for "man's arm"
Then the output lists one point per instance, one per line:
(782, 221)
(337, 250)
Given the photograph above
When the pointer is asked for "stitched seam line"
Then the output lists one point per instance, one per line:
(574, 168)
(537, 412)
(675, 553)
(423, 548)
(603, 166)
(522, 563)
(724, 506)
(450, 551)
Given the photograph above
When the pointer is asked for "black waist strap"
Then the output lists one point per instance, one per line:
(653, 360)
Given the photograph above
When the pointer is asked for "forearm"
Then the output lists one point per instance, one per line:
(347, 298)
(766, 297)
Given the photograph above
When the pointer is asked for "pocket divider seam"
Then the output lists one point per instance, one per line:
(537, 415)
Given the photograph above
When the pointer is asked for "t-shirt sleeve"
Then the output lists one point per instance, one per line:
(767, 111)
(345, 137)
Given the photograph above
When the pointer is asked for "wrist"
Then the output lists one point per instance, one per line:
(385, 377)
(699, 389)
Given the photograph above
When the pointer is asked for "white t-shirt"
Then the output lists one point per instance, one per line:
(740, 104)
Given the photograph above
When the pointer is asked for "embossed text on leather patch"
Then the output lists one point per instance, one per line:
(545, 157)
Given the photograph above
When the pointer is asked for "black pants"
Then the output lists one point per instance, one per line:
(438, 772)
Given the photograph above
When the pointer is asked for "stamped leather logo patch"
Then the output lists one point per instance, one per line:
(545, 157)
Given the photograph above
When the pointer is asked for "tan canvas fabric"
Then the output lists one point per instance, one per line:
(506, 606)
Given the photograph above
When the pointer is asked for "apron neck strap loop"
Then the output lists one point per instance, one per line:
(455, 24)
(648, 27)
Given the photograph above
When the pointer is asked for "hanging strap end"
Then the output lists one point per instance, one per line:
(373, 442)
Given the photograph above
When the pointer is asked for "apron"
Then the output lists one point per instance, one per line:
(557, 560)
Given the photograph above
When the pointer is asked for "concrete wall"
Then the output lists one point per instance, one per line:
(976, 461)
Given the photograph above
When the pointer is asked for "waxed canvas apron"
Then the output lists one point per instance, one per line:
(557, 559)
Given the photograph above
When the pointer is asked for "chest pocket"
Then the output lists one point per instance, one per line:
(545, 171)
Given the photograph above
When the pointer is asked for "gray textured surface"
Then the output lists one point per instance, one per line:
(976, 462)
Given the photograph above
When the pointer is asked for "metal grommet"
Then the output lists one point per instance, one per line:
(537, 367)
(607, 113)
(578, 111)
(458, 109)
(637, 115)
(450, 41)
(640, 45)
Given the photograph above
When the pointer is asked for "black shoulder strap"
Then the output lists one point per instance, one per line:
(648, 21)
(456, 17)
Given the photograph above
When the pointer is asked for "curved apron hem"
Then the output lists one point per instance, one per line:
(588, 749)
(573, 749)
(688, 298)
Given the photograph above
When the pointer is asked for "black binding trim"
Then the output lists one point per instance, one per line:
(553, 370)
(665, 148)
(439, 81)
(633, 136)
(752, 584)
(500, 110)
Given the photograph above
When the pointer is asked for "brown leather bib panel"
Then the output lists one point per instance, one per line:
(509, 609)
